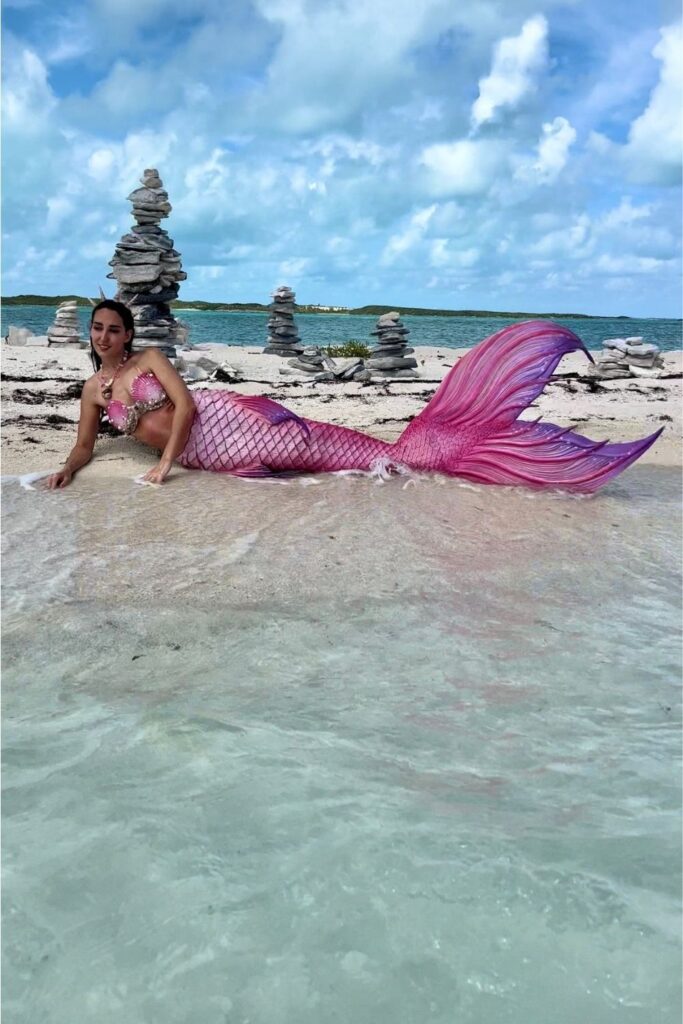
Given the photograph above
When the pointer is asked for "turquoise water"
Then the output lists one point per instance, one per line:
(329, 750)
(330, 329)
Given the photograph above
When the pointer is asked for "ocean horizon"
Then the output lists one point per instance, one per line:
(247, 329)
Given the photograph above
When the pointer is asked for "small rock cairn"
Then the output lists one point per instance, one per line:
(628, 357)
(391, 357)
(283, 337)
(66, 328)
(147, 269)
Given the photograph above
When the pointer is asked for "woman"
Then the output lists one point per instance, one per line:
(162, 423)
(470, 428)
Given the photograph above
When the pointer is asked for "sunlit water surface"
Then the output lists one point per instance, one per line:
(329, 750)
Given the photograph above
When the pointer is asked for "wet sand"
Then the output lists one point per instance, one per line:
(40, 389)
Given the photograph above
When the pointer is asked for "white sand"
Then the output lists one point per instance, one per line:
(620, 410)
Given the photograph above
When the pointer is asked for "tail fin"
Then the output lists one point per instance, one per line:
(470, 426)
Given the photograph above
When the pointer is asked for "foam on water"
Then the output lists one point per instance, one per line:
(396, 753)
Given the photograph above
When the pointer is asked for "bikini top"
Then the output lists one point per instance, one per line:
(147, 394)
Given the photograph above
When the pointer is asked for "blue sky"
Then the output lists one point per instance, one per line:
(483, 155)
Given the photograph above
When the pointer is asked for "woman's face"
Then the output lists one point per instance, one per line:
(108, 336)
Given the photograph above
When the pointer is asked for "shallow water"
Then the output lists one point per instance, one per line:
(335, 329)
(330, 750)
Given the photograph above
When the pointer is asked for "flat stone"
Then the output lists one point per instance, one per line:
(396, 374)
(642, 350)
(152, 332)
(646, 361)
(618, 343)
(140, 273)
(610, 374)
(379, 351)
(391, 363)
(60, 331)
(128, 256)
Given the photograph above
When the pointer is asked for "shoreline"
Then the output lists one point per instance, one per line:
(41, 407)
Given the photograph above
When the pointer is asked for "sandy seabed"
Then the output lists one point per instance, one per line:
(40, 407)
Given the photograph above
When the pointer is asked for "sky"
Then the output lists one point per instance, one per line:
(512, 155)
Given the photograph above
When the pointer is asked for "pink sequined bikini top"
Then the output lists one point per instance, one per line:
(147, 394)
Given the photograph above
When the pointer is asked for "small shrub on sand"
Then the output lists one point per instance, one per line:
(350, 349)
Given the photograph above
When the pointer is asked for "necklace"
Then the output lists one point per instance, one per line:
(106, 385)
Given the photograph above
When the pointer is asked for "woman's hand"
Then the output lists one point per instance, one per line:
(158, 473)
(61, 479)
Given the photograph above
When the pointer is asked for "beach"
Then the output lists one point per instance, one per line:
(40, 407)
(335, 746)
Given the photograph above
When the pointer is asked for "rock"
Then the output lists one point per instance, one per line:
(66, 328)
(18, 336)
(326, 377)
(392, 363)
(37, 341)
(641, 371)
(395, 374)
(148, 269)
(390, 355)
(207, 364)
(642, 350)
(195, 373)
(283, 337)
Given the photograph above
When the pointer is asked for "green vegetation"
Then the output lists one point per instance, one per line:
(416, 311)
(219, 307)
(259, 307)
(353, 348)
(43, 300)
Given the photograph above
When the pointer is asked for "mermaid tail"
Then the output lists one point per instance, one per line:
(470, 428)
(252, 436)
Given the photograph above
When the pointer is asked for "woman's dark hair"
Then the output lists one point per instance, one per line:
(126, 318)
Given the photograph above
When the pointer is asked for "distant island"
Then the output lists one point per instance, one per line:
(259, 307)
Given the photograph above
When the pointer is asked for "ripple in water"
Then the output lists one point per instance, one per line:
(344, 752)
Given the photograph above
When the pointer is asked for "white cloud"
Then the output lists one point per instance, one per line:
(516, 62)
(59, 208)
(625, 213)
(628, 264)
(463, 168)
(553, 148)
(406, 240)
(653, 151)
(574, 240)
(442, 255)
(27, 99)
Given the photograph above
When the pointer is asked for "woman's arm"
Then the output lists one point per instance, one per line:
(81, 453)
(183, 413)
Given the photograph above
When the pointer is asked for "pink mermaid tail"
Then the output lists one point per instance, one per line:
(470, 428)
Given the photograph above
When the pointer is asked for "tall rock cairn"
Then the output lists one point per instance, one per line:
(283, 337)
(391, 356)
(147, 268)
(66, 328)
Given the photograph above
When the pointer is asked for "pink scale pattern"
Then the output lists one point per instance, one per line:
(470, 428)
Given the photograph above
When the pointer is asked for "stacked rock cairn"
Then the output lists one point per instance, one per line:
(628, 357)
(66, 329)
(391, 356)
(147, 269)
(283, 337)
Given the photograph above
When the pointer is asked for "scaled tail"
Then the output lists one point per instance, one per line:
(470, 427)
